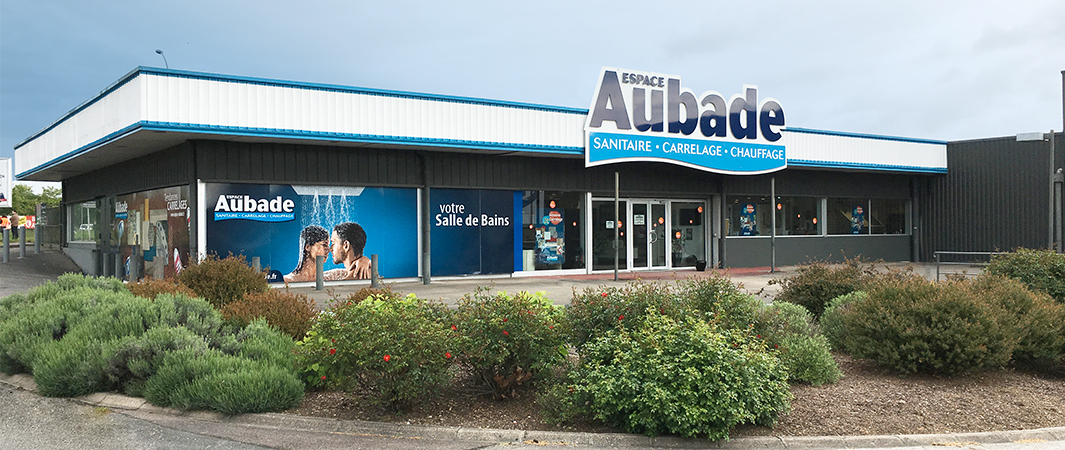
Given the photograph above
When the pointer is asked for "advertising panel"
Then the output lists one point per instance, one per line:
(551, 238)
(288, 226)
(158, 221)
(5, 182)
(472, 231)
(646, 116)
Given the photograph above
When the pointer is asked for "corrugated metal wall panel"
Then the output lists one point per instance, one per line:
(995, 197)
(170, 167)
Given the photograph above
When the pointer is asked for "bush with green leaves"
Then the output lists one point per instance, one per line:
(222, 281)
(832, 320)
(506, 339)
(82, 336)
(916, 326)
(1034, 320)
(396, 349)
(595, 311)
(686, 377)
(152, 288)
(1040, 270)
(818, 283)
(791, 330)
(719, 300)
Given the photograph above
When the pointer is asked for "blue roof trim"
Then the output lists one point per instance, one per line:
(78, 151)
(862, 166)
(294, 84)
(309, 135)
(109, 89)
(864, 136)
(361, 138)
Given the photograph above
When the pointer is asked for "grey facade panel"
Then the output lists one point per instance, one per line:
(757, 252)
(170, 167)
(823, 183)
(995, 196)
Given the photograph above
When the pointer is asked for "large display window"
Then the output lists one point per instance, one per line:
(798, 216)
(867, 216)
(688, 233)
(82, 220)
(158, 222)
(748, 216)
(552, 230)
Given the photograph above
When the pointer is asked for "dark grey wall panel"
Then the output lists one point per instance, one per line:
(757, 252)
(170, 167)
(823, 183)
(995, 196)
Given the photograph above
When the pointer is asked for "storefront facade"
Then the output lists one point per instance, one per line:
(174, 164)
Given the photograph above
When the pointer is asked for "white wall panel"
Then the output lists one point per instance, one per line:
(861, 151)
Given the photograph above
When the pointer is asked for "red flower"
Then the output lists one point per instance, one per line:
(332, 351)
(604, 294)
(621, 317)
(454, 328)
(504, 320)
(388, 358)
(447, 355)
(323, 377)
(759, 336)
(505, 333)
(334, 341)
(776, 346)
(552, 327)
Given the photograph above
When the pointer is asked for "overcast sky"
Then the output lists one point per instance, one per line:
(926, 69)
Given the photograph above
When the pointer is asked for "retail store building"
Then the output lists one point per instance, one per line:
(172, 164)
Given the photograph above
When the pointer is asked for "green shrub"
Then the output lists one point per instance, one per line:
(137, 358)
(777, 321)
(151, 288)
(196, 379)
(506, 339)
(688, 378)
(395, 349)
(832, 320)
(1033, 319)
(818, 283)
(918, 326)
(292, 313)
(807, 358)
(596, 311)
(1040, 270)
(223, 281)
(720, 300)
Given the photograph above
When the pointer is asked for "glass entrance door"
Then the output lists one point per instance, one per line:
(603, 225)
(649, 235)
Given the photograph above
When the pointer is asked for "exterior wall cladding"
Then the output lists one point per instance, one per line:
(994, 197)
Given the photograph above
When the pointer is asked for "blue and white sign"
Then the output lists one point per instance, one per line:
(645, 116)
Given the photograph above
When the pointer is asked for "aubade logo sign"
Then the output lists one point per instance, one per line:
(259, 209)
(645, 116)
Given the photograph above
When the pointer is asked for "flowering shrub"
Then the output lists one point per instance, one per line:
(151, 288)
(506, 339)
(914, 325)
(1041, 270)
(394, 349)
(595, 311)
(291, 313)
(685, 377)
(222, 281)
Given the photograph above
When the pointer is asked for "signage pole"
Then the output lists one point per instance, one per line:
(617, 213)
(773, 223)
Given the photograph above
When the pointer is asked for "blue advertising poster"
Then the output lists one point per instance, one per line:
(472, 231)
(288, 226)
(857, 220)
(749, 220)
(551, 238)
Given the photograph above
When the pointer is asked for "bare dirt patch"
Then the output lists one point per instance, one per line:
(869, 400)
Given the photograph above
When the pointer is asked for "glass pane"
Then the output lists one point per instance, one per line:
(688, 236)
(798, 216)
(639, 235)
(748, 216)
(83, 218)
(657, 235)
(603, 236)
(848, 216)
(552, 230)
(888, 216)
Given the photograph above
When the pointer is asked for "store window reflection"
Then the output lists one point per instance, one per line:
(688, 234)
(552, 230)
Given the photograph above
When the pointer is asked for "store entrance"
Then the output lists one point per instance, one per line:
(652, 234)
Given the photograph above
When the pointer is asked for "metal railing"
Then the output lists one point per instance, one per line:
(949, 260)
